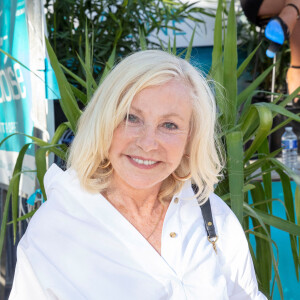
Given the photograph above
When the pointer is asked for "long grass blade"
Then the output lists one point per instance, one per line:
(190, 46)
(263, 254)
(230, 65)
(74, 76)
(289, 204)
(109, 64)
(264, 127)
(297, 204)
(275, 221)
(261, 217)
(68, 102)
(16, 187)
(61, 129)
(246, 62)
(40, 160)
(288, 171)
(143, 42)
(250, 89)
(280, 110)
(6, 210)
(234, 141)
(263, 151)
(82, 97)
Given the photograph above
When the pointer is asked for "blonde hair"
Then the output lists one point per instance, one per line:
(110, 104)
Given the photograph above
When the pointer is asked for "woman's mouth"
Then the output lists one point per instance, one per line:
(143, 163)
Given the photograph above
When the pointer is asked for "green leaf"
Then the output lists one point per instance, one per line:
(250, 89)
(109, 64)
(24, 217)
(236, 172)
(290, 97)
(267, 178)
(40, 160)
(169, 46)
(16, 186)
(77, 78)
(6, 209)
(229, 70)
(297, 204)
(190, 46)
(262, 218)
(288, 171)
(265, 124)
(274, 221)
(41, 165)
(246, 62)
(289, 204)
(246, 188)
(143, 42)
(282, 124)
(79, 95)
(61, 129)
(263, 253)
(68, 102)
(90, 81)
(174, 46)
(216, 66)
(281, 110)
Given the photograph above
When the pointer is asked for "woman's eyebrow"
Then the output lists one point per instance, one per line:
(169, 115)
(173, 115)
(136, 109)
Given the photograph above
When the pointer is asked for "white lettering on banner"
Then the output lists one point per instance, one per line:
(20, 12)
(5, 86)
(12, 86)
(20, 79)
(8, 127)
(2, 39)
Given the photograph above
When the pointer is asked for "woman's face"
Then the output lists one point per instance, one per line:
(149, 144)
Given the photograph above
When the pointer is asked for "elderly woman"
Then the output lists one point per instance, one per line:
(124, 221)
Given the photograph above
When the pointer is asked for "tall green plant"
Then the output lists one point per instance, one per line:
(116, 24)
(242, 122)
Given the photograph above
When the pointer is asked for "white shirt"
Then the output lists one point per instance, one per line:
(78, 246)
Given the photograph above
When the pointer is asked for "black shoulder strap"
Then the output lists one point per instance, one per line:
(208, 220)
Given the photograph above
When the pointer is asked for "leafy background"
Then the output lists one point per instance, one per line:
(82, 68)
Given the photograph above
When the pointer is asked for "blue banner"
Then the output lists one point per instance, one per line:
(15, 84)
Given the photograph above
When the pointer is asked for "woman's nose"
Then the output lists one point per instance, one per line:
(147, 139)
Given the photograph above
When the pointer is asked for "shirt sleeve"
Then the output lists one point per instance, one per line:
(235, 258)
(26, 285)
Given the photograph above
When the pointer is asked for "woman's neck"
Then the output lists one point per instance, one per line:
(140, 201)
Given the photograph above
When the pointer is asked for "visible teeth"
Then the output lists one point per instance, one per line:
(144, 162)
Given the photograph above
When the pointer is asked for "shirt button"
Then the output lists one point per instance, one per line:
(176, 200)
(173, 234)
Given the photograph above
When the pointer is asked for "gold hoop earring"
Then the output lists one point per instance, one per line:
(185, 178)
(108, 163)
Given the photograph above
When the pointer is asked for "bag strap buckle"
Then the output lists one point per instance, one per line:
(208, 220)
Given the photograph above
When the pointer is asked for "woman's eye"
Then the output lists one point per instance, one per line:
(132, 118)
(170, 126)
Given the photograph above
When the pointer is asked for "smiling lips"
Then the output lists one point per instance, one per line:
(143, 163)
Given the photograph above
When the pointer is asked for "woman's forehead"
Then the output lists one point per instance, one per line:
(172, 98)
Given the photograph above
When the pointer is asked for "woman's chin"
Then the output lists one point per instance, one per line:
(140, 183)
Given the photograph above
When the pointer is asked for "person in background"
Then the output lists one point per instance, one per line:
(283, 25)
(134, 216)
